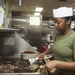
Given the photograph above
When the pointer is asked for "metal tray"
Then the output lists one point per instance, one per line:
(20, 74)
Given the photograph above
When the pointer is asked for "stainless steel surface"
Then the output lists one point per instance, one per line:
(21, 45)
(28, 56)
(6, 22)
(8, 29)
(33, 60)
(12, 43)
(20, 74)
(48, 56)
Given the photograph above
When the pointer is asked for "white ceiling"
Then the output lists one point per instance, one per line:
(48, 5)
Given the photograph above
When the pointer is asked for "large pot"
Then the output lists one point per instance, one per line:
(29, 54)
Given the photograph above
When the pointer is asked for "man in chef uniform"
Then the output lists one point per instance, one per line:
(64, 45)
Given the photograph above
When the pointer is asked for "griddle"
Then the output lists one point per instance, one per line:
(20, 63)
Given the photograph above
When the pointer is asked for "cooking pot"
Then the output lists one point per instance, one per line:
(29, 54)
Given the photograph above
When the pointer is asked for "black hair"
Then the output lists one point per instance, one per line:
(70, 18)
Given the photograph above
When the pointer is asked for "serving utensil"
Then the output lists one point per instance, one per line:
(33, 60)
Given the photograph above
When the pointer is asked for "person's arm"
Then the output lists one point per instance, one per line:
(70, 66)
(66, 65)
(41, 55)
(47, 51)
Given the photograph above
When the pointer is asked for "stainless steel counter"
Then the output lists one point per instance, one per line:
(20, 74)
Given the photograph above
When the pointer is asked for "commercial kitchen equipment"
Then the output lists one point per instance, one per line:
(11, 47)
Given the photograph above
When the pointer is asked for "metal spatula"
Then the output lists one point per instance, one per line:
(32, 60)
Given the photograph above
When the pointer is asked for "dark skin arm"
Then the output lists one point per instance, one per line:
(70, 66)
(46, 52)
(67, 65)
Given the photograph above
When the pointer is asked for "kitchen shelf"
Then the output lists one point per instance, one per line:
(46, 42)
(8, 29)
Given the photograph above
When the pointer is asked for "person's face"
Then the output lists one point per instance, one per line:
(61, 24)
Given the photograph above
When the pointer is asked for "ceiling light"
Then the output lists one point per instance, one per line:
(37, 14)
(20, 2)
(38, 9)
(73, 9)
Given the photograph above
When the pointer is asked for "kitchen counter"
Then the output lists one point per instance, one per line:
(20, 74)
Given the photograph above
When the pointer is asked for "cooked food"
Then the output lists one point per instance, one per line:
(8, 68)
(30, 52)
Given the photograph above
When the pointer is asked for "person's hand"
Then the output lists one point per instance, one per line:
(40, 56)
(51, 65)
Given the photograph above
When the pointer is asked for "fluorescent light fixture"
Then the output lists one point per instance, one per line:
(39, 9)
(36, 14)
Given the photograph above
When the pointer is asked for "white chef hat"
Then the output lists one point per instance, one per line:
(62, 12)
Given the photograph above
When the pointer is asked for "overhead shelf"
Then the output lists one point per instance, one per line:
(8, 29)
